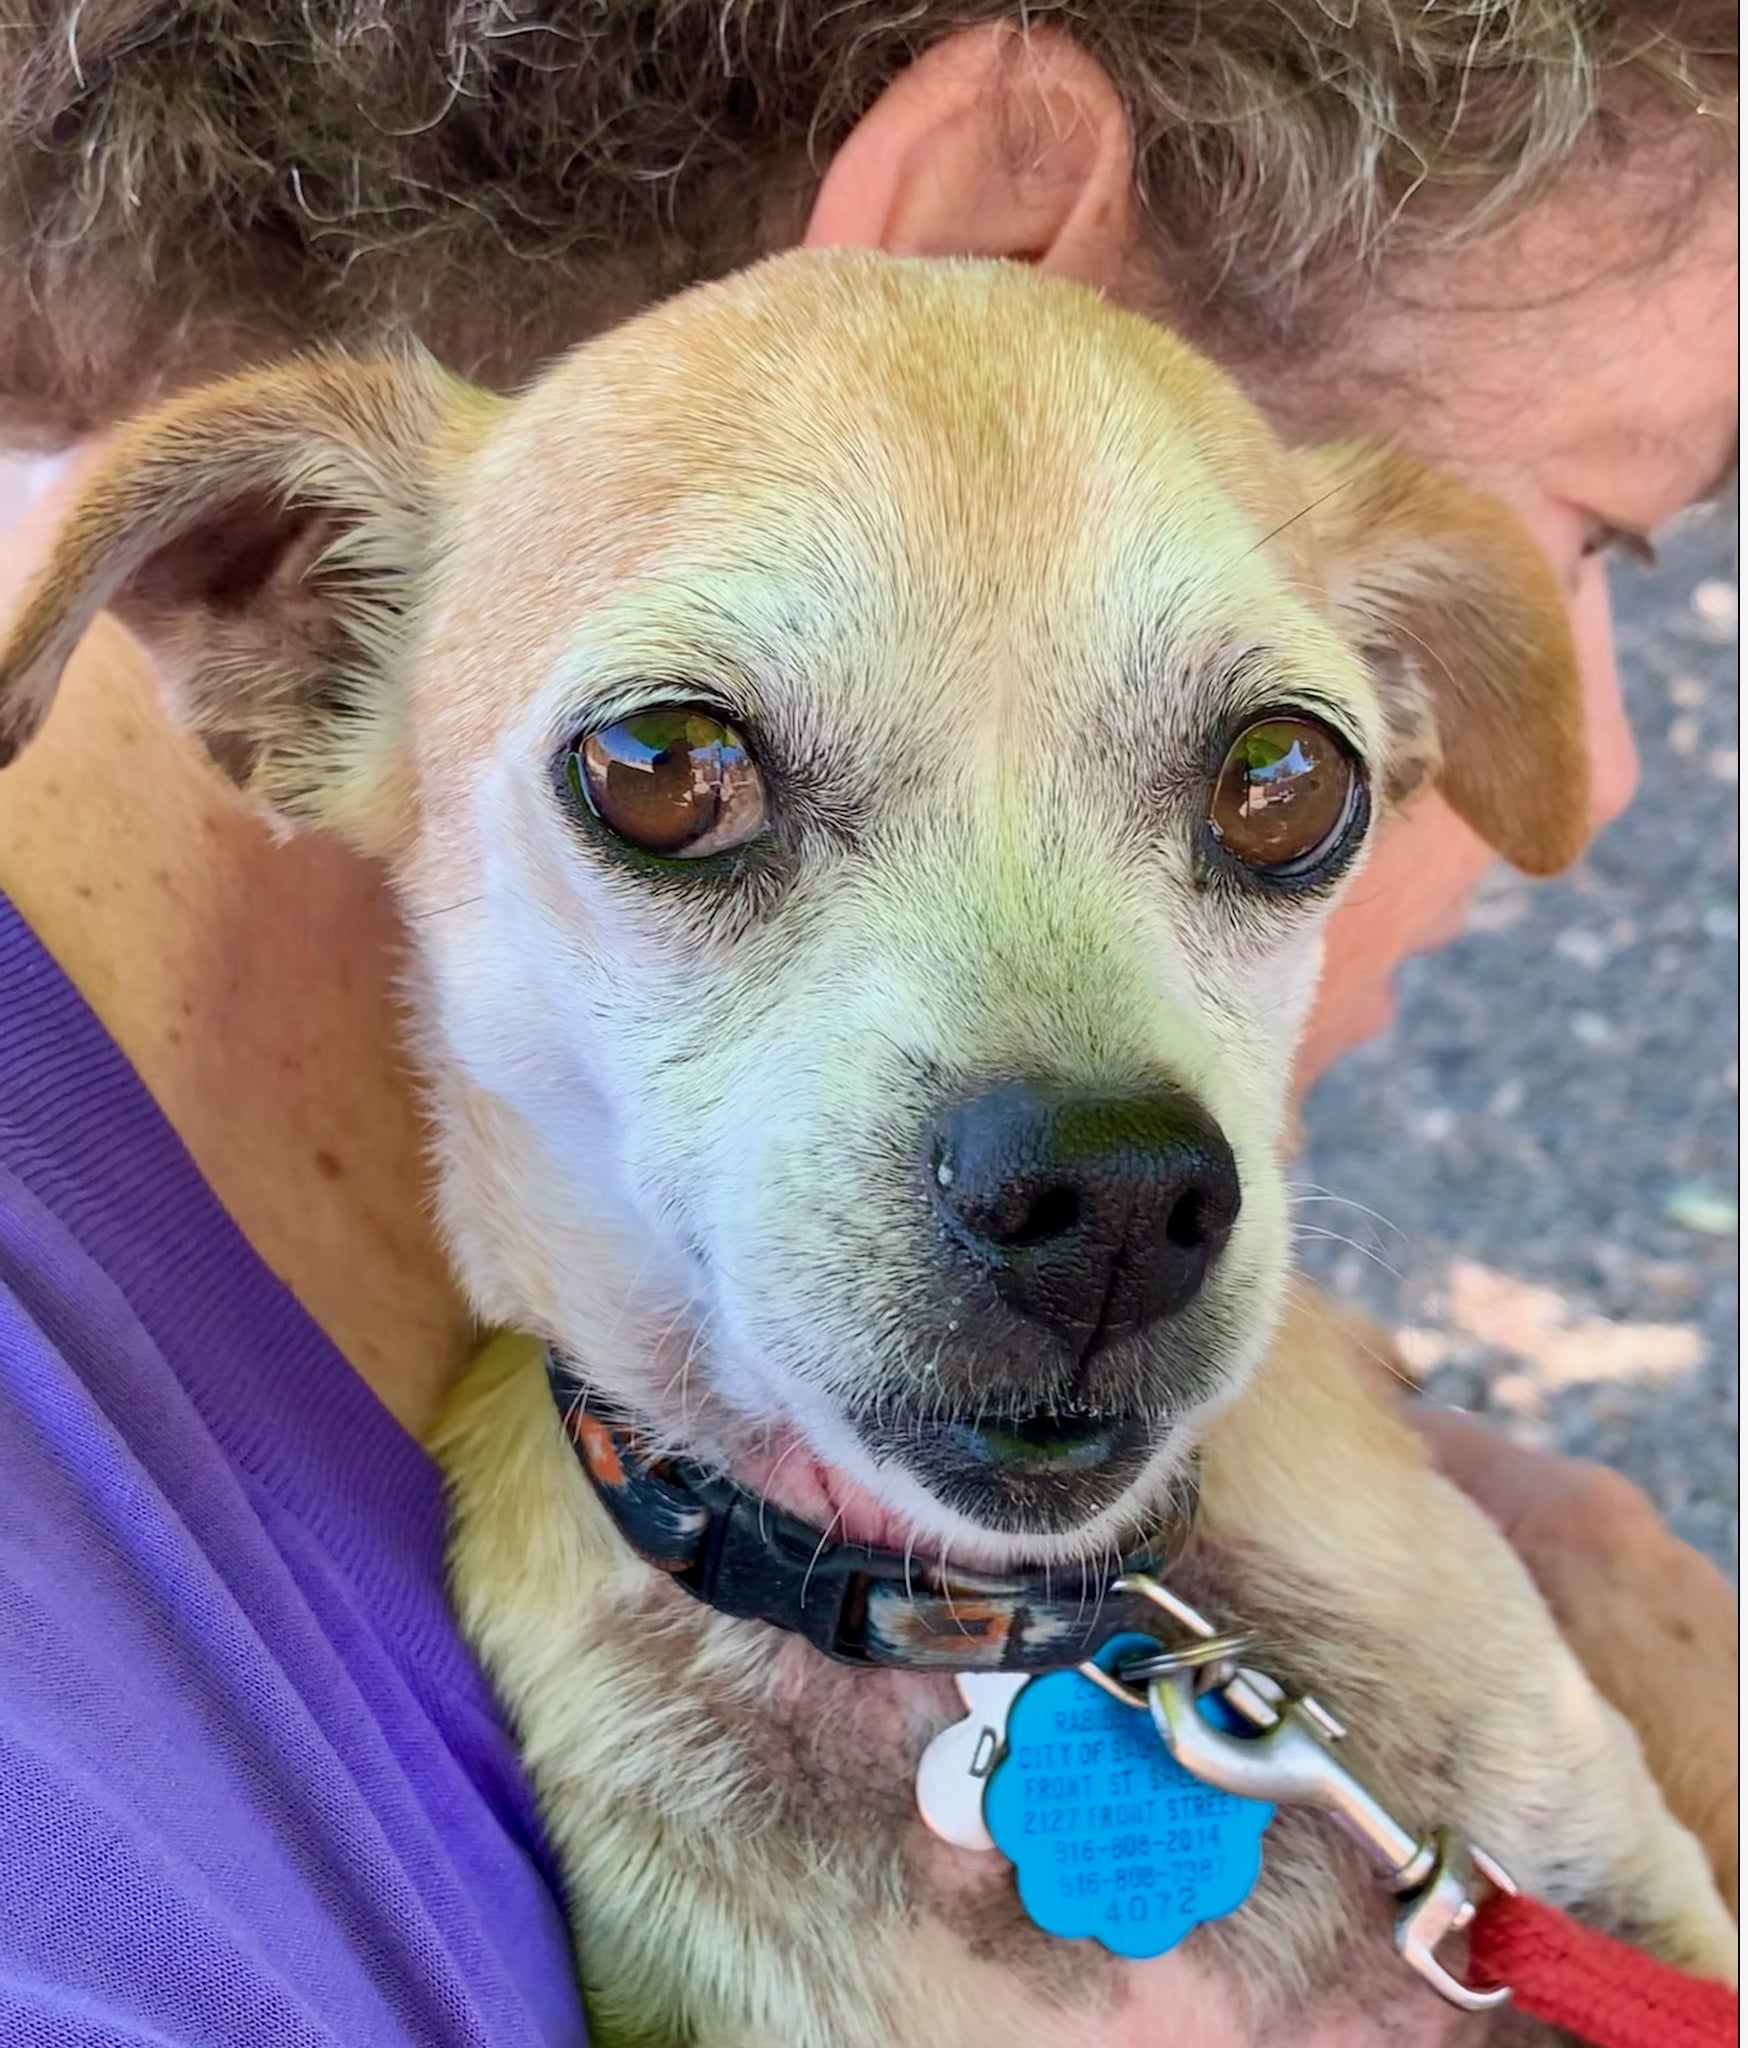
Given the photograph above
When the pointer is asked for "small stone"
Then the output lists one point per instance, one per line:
(1501, 899)
(1718, 920)
(1495, 913)
(1507, 1099)
(1689, 693)
(1349, 1276)
(1590, 1029)
(1422, 1350)
(1684, 734)
(1435, 1125)
(1588, 949)
(1516, 1393)
(1721, 764)
(1697, 1207)
(1714, 605)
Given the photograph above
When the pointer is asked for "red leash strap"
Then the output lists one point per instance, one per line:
(1601, 1990)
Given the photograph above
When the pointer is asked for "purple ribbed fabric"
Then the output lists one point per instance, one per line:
(253, 1788)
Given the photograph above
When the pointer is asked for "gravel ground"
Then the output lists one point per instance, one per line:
(1533, 1174)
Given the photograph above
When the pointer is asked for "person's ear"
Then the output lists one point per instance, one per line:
(995, 142)
(264, 537)
(1461, 617)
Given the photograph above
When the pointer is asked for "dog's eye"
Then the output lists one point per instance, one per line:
(1285, 798)
(673, 781)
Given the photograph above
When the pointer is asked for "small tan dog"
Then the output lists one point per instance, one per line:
(866, 752)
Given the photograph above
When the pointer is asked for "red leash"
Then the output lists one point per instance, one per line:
(1601, 1990)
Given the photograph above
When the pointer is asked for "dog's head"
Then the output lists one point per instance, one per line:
(866, 752)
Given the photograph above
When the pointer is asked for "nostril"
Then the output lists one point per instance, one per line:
(1187, 1227)
(1052, 1213)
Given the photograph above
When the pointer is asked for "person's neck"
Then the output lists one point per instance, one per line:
(251, 986)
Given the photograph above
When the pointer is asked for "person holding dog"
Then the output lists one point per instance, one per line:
(1503, 236)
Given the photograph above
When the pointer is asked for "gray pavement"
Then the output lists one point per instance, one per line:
(1534, 1171)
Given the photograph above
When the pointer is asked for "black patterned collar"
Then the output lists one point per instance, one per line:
(729, 1548)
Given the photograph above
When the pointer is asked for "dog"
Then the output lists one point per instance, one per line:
(867, 750)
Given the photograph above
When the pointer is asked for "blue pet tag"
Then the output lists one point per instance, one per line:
(1109, 1836)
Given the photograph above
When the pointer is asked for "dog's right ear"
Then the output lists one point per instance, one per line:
(1463, 622)
(264, 537)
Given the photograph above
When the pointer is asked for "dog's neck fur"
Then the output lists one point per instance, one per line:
(250, 985)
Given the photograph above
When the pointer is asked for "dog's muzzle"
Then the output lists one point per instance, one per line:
(728, 1548)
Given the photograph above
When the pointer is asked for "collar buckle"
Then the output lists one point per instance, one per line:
(763, 1565)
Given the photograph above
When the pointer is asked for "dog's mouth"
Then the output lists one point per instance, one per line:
(1042, 1473)
(1039, 1474)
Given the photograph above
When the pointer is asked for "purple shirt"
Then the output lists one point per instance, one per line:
(253, 1788)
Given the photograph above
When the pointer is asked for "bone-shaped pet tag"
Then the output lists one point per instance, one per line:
(955, 1767)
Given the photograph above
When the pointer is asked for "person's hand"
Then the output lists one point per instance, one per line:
(1652, 1621)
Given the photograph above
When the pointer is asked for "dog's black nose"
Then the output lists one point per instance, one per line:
(1094, 1215)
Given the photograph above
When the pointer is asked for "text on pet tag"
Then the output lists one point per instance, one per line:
(1110, 1837)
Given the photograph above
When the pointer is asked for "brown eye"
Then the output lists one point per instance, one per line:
(672, 781)
(1287, 793)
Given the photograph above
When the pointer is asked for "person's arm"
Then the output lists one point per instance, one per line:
(1651, 1620)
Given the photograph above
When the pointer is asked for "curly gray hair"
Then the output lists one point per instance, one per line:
(184, 186)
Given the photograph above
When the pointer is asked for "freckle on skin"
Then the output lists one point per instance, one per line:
(83, 891)
(328, 1166)
(173, 1035)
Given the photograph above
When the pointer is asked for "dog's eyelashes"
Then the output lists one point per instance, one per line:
(674, 781)
(1286, 799)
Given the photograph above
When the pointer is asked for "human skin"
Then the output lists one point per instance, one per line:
(251, 985)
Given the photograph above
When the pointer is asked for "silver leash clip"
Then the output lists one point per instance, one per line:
(1289, 1757)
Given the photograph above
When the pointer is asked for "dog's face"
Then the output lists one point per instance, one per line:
(866, 752)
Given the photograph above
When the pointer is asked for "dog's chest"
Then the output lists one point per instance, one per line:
(738, 1827)
(935, 1938)
(1206, 1993)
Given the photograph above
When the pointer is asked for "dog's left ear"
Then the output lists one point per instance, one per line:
(265, 537)
(1461, 616)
